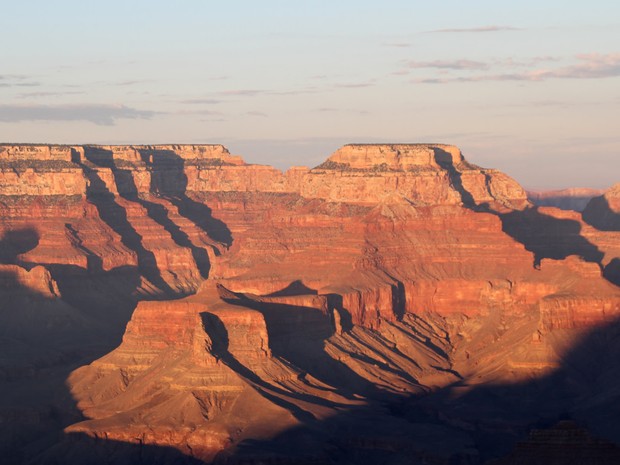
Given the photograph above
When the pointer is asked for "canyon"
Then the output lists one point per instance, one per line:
(395, 304)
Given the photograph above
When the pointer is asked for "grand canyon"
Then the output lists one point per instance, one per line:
(171, 304)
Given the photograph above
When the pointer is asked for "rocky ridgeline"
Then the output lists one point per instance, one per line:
(363, 174)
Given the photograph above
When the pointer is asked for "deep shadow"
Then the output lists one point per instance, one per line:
(543, 235)
(81, 449)
(16, 242)
(335, 303)
(548, 237)
(168, 179)
(42, 339)
(219, 337)
(115, 217)
(107, 296)
(599, 215)
(444, 159)
(612, 271)
(128, 190)
(398, 300)
(94, 263)
(295, 288)
(298, 334)
(492, 418)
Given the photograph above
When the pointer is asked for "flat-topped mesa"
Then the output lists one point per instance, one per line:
(394, 156)
(216, 153)
(423, 174)
(39, 170)
(153, 154)
(29, 152)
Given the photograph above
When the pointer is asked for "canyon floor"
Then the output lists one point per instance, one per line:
(171, 304)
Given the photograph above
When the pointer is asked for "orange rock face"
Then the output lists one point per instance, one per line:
(221, 304)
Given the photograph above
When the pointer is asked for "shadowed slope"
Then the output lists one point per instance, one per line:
(549, 237)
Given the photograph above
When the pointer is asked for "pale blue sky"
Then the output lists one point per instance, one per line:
(532, 89)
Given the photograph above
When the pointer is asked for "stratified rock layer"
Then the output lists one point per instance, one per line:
(263, 312)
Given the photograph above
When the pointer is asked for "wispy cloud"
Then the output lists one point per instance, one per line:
(244, 92)
(588, 66)
(448, 64)
(43, 94)
(201, 101)
(492, 28)
(258, 92)
(306, 90)
(198, 111)
(340, 110)
(132, 82)
(17, 80)
(354, 85)
(257, 113)
(105, 115)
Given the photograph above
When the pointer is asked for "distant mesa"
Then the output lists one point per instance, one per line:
(394, 156)
(565, 199)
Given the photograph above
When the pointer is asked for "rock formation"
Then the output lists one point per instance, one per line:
(575, 198)
(200, 306)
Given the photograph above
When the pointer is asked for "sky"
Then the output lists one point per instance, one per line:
(531, 88)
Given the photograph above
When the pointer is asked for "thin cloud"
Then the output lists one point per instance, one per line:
(17, 80)
(20, 84)
(257, 113)
(589, 66)
(199, 112)
(201, 101)
(244, 92)
(132, 82)
(104, 115)
(307, 90)
(340, 110)
(27, 95)
(448, 64)
(258, 92)
(354, 85)
(493, 28)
